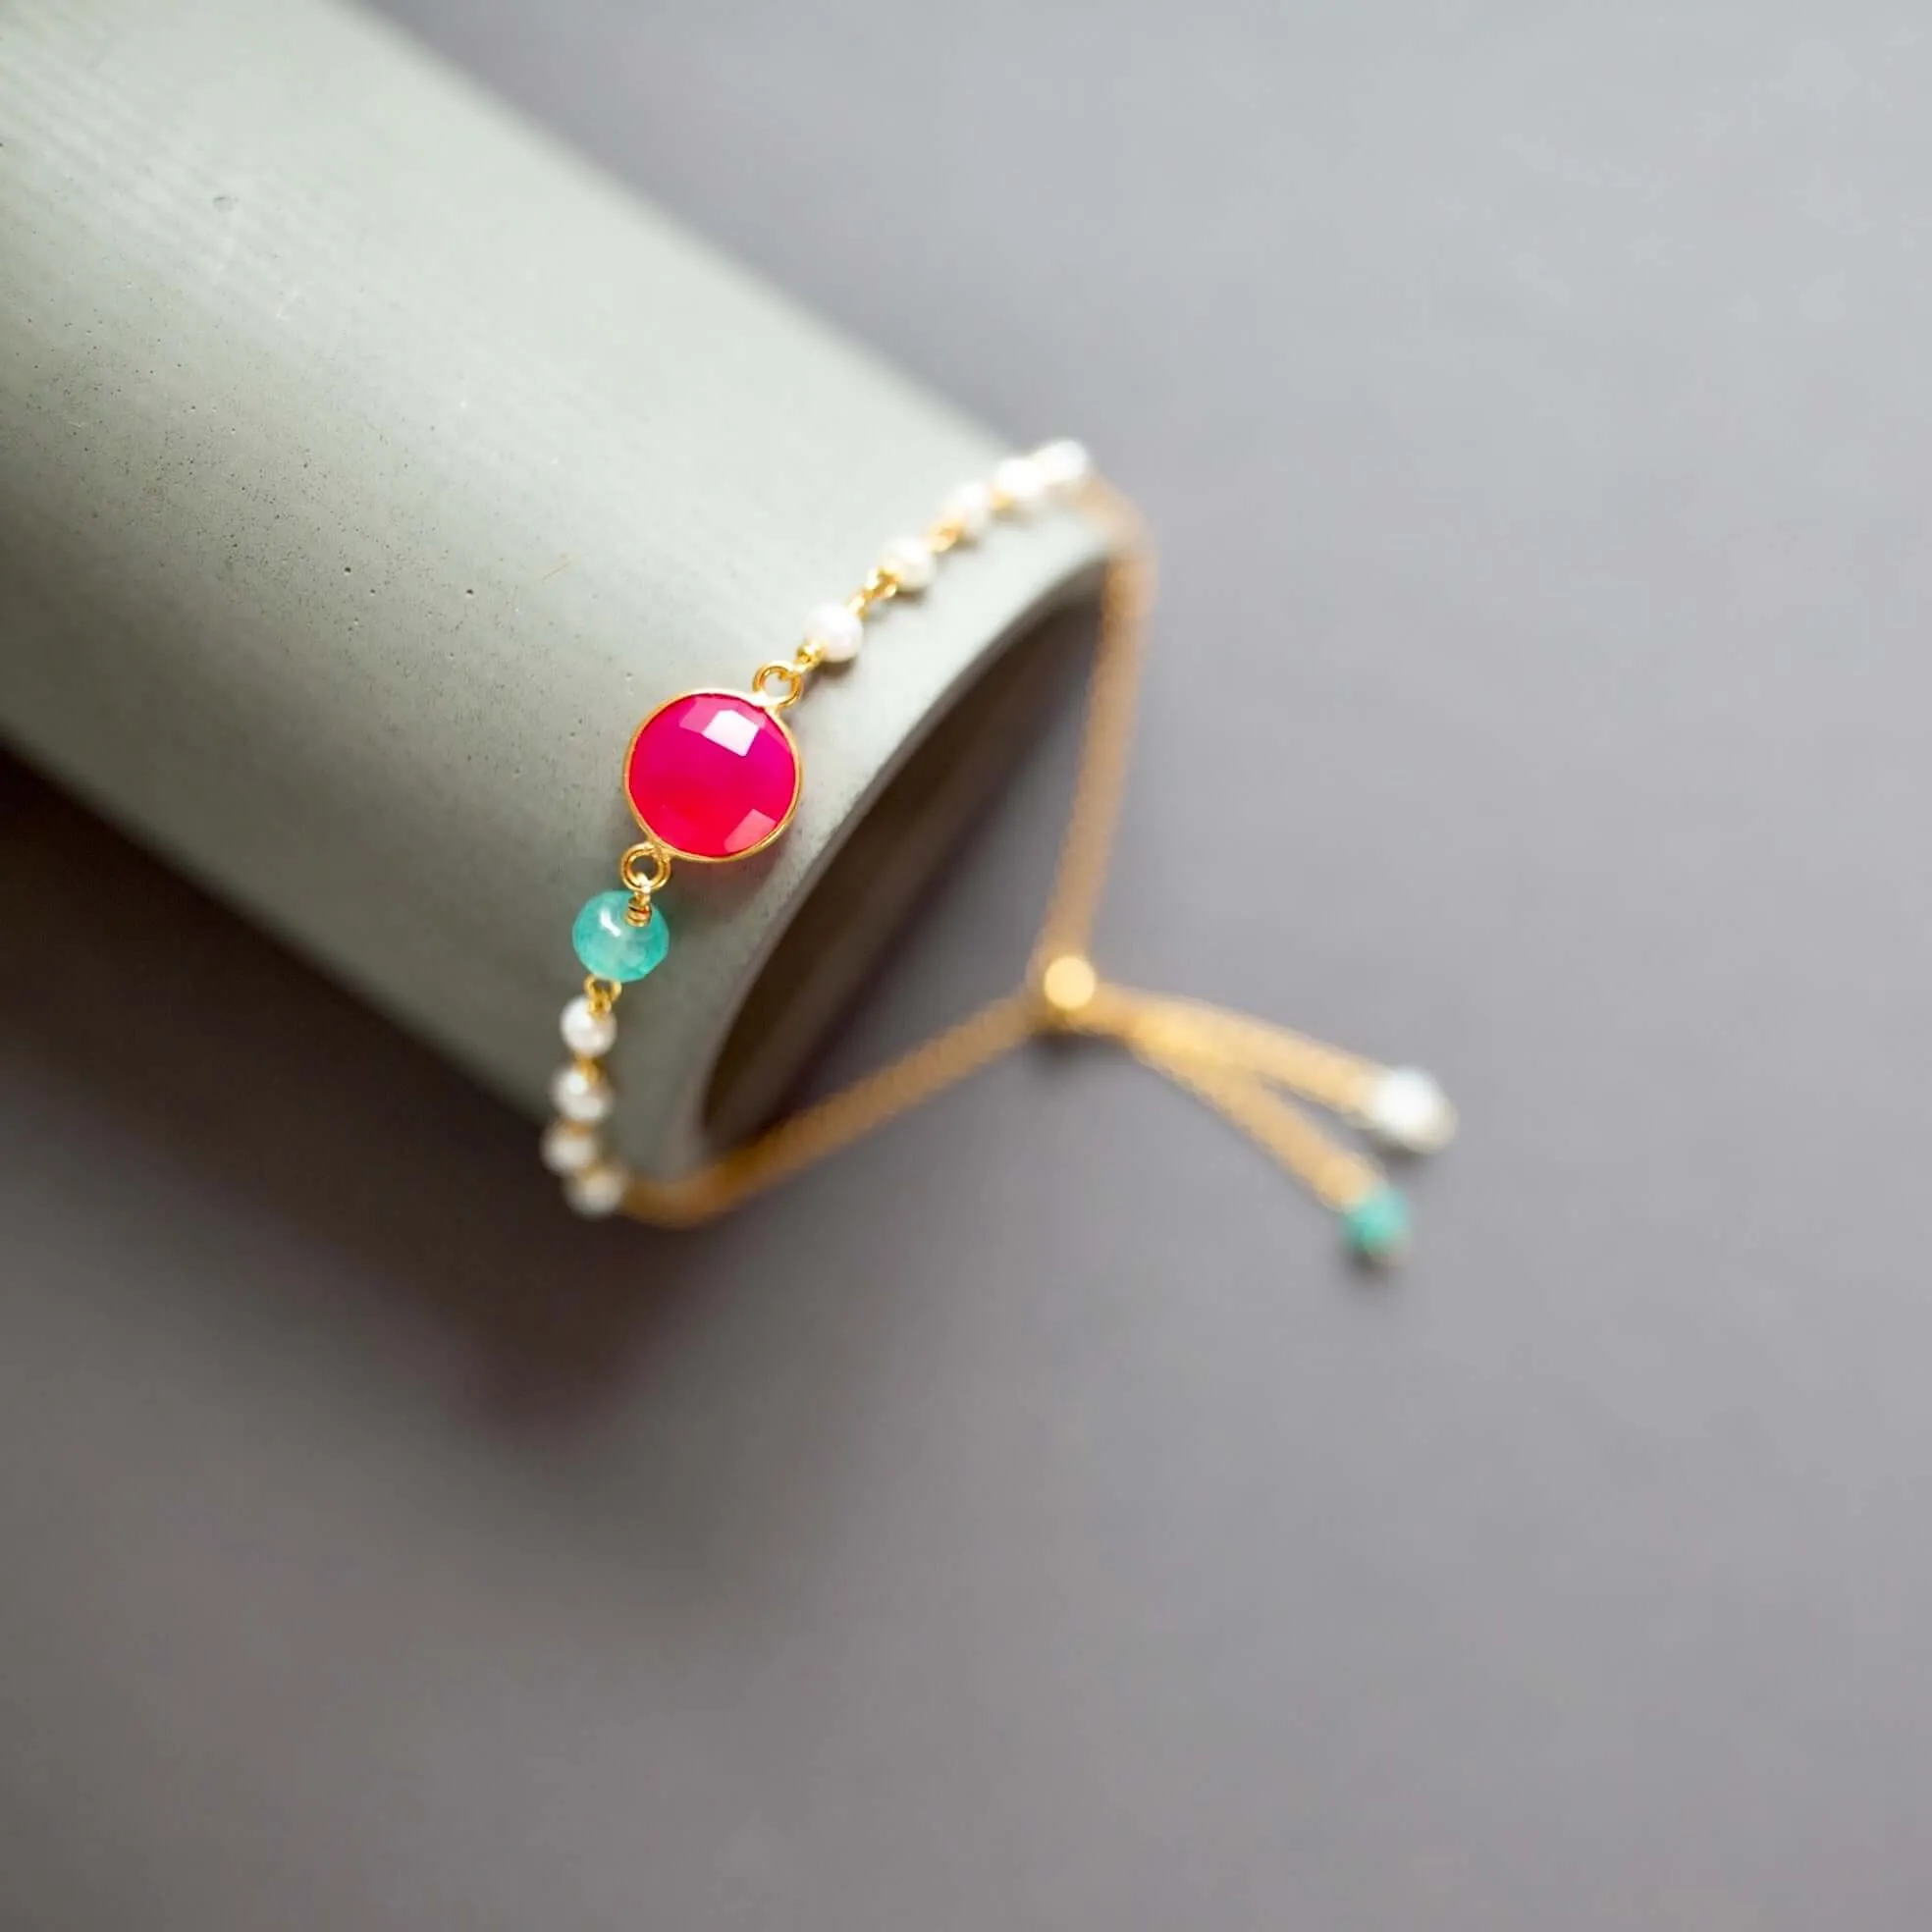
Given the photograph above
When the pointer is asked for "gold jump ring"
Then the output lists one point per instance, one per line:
(647, 853)
(788, 678)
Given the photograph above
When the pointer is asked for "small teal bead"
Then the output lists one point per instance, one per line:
(1377, 1225)
(610, 946)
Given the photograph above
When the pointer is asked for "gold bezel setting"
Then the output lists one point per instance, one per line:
(768, 708)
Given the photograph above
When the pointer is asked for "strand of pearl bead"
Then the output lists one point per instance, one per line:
(1018, 487)
(572, 1148)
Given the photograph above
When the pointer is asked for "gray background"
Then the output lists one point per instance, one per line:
(1027, 1522)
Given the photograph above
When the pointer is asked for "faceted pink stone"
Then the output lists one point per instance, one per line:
(712, 774)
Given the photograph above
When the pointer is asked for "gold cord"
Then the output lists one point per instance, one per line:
(1228, 1060)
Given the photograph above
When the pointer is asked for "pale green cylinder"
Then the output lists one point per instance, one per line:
(369, 467)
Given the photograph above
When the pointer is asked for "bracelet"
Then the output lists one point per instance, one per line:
(715, 775)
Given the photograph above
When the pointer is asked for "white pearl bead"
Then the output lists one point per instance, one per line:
(587, 1032)
(908, 561)
(969, 508)
(598, 1190)
(581, 1093)
(1064, 466)
(1019, 482)
(1406, 1110)
(835, 632)
(567, 1148)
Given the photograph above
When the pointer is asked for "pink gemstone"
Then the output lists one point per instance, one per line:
(713, 776)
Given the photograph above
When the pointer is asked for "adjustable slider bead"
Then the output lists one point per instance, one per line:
(1377, 1225)
(1067, 988)
(610, 946)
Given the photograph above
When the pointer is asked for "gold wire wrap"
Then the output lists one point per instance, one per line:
(1228, 1060)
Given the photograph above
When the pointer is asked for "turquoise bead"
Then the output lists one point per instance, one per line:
(610, 946)
(1377, 1225)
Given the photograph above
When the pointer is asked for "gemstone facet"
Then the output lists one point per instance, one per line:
(610, 946)
(712, 775)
